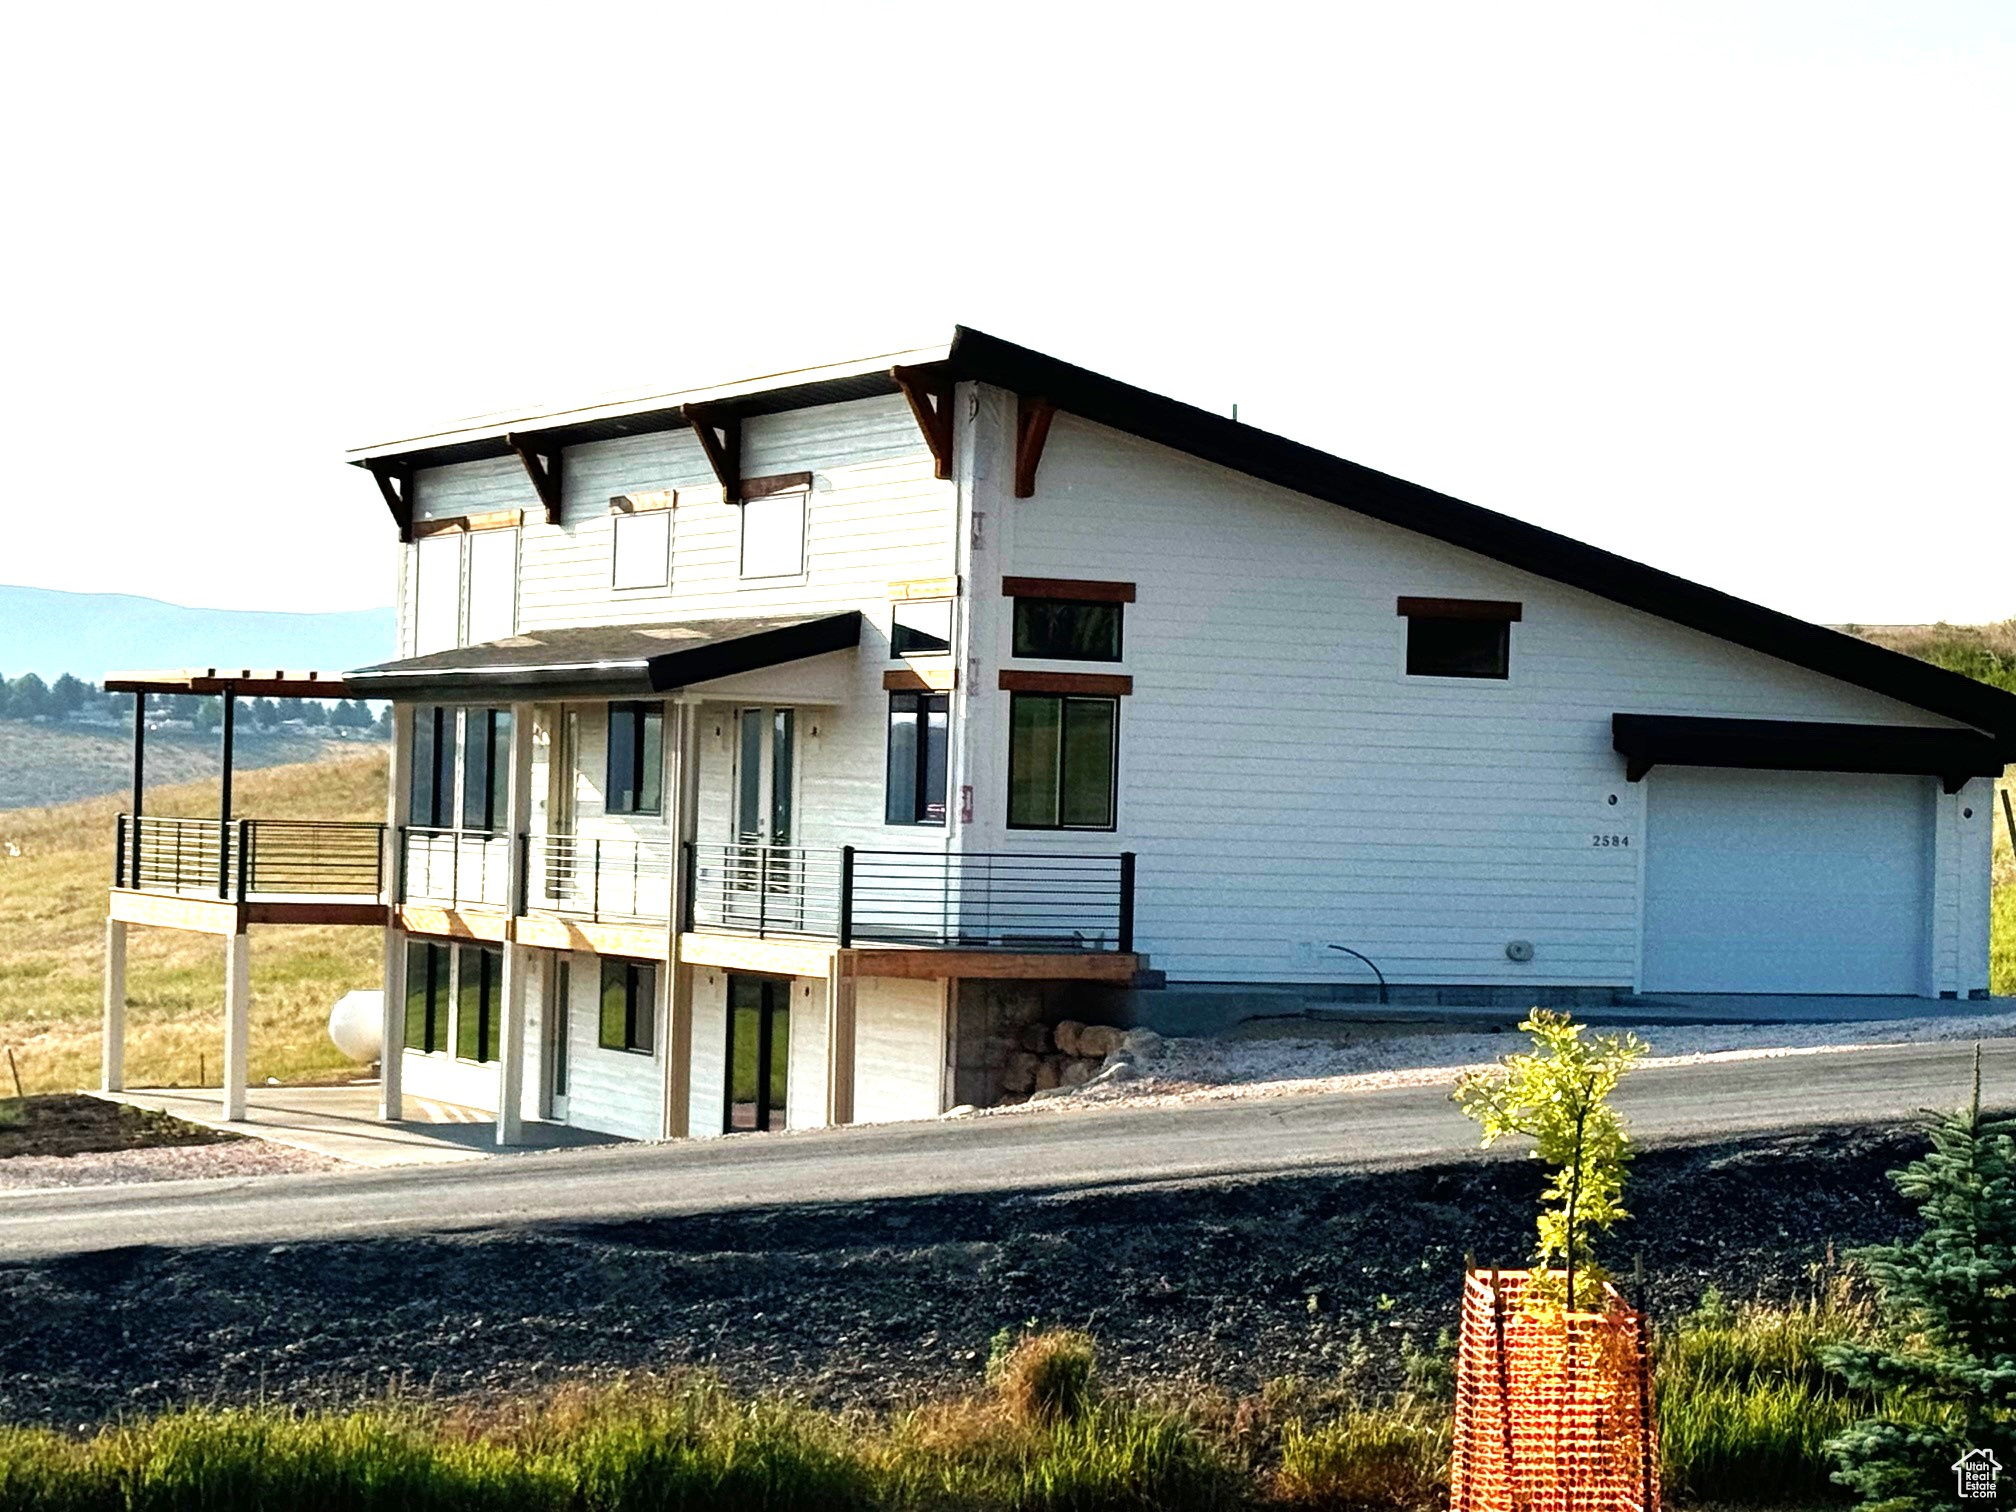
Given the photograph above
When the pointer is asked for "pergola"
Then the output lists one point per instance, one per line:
(219, 902)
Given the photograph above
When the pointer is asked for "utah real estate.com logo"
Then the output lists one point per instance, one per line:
(1975, 1474)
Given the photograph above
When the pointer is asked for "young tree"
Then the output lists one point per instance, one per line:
(1949, 1295)
(1558, 1095)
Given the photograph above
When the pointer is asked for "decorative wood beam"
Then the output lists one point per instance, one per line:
(542, 466)
(720, 436)
(1460, 609)
(1070, 590)
(1093, 684)
(929, 390)
(1032, 429)
(395, 483)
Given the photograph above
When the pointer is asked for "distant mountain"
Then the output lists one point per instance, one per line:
(48, 632)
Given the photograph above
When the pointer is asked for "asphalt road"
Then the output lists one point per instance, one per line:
(1110, 1148)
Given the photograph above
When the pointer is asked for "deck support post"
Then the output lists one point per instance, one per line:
(237, 1022)
(112, 1061)
(517, 958)
(392, 1030)
(139, 778)
(227, 738)
(840, 1039)
(682, 784)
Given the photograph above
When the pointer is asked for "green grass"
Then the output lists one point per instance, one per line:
(55, 867)
(1984, 652)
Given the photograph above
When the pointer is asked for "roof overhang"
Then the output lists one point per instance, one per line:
(1789, 745)
(248, 682)
(614, 661)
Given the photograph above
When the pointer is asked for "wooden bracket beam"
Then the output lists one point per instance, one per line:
(1032, 429)
(720, 436)
(1636, 768)
(929, 390)
(542, 466)
(395, 483)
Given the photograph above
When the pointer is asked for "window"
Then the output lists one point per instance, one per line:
(1064, 630)
(917, 748)
(1459, 637)
(431, 795)
(629, 1005)
(773, 534)
(643, 552)
(1062, 754)
(493, 586)
(636, 758)
(426, 997)
(921, 628)
(479, 1001)
(437, 594)
(563, 1000)
(486, 750)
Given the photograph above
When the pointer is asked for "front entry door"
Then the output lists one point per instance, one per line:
(759, 1052)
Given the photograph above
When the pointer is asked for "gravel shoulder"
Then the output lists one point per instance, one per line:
(1328, 1276)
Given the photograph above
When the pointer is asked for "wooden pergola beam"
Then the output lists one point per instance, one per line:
(246, 682)
(542, 466)
(395, 484)
(1032, 429)
(929, 392)
(720, 436)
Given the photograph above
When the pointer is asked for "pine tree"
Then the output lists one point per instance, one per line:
(1948, 1359)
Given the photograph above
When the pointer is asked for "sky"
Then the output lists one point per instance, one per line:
(1724, 288)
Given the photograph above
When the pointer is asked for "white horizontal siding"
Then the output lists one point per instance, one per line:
(708, 1094)
(805, 1078)
(899, 1049)
(609, 1091)
(1286, 786)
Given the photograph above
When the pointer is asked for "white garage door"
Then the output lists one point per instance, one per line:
(1787, 882)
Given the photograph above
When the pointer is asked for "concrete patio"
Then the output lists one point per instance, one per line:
(342, 1123)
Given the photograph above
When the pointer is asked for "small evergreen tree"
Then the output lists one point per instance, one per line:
(28, 696)
(1949, 1297)
(66, 696)
(1558, 1095)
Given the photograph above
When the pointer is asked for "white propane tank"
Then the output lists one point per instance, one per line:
(356, 1024)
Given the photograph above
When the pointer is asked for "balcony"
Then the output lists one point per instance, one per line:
(248, 860)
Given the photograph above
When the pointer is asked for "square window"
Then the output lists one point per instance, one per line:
(629, 1005)
(643, 549)
(1065, 630)
(917, 758)
(636, 759)
(773, 534)
(921, 627)
(1063, 753)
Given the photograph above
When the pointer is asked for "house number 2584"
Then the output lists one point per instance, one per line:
(1606, 842)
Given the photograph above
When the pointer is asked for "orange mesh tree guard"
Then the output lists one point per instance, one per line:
(1553, 1408)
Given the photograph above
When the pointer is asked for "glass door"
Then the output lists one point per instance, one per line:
(766, 868)
(559, 990)
(758, 1053)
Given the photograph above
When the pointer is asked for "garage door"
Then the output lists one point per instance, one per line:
(1787, 882)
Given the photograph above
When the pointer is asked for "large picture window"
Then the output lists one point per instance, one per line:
(1063, 754)
(629, 1005)
(917, 758)
(636, 758)
(426, 997)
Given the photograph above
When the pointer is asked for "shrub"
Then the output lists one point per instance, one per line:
(1048, 1377)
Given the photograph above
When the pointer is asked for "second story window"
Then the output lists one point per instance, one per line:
(486, 759)
(493, 586)
(636, 759)
(1067, 619)
(643, 550)
(1459, 637)
(773, 525)
(431, 794)
(917, 758)
(465, 588)
(921, 627)
(437, 594)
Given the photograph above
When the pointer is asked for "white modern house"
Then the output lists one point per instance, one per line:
(770, 754)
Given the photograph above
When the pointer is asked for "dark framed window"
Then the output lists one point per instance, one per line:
(921, 627)
(1459, 637)
(1063, 761)
(917, 758)
(1067, 630)
(629, 1005)
(563, 1003)
(426, 996)
(479, 1002)
(431, 790)
(636, 758)
(486, 748)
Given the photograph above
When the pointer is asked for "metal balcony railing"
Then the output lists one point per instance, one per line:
(983, 901)
(243, 858)
(627, 881)
(454, 868)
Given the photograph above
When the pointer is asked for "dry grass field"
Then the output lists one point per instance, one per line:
(55, 865)
(44, 764)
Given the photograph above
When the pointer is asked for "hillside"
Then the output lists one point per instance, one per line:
(49, 632)
(54, 865)
(1987, 652)
(43, 764)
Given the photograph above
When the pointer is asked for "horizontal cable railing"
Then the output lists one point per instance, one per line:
(764, 890)
(454, 868)
(241, 858)
(1017, 902)
(584, 877)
